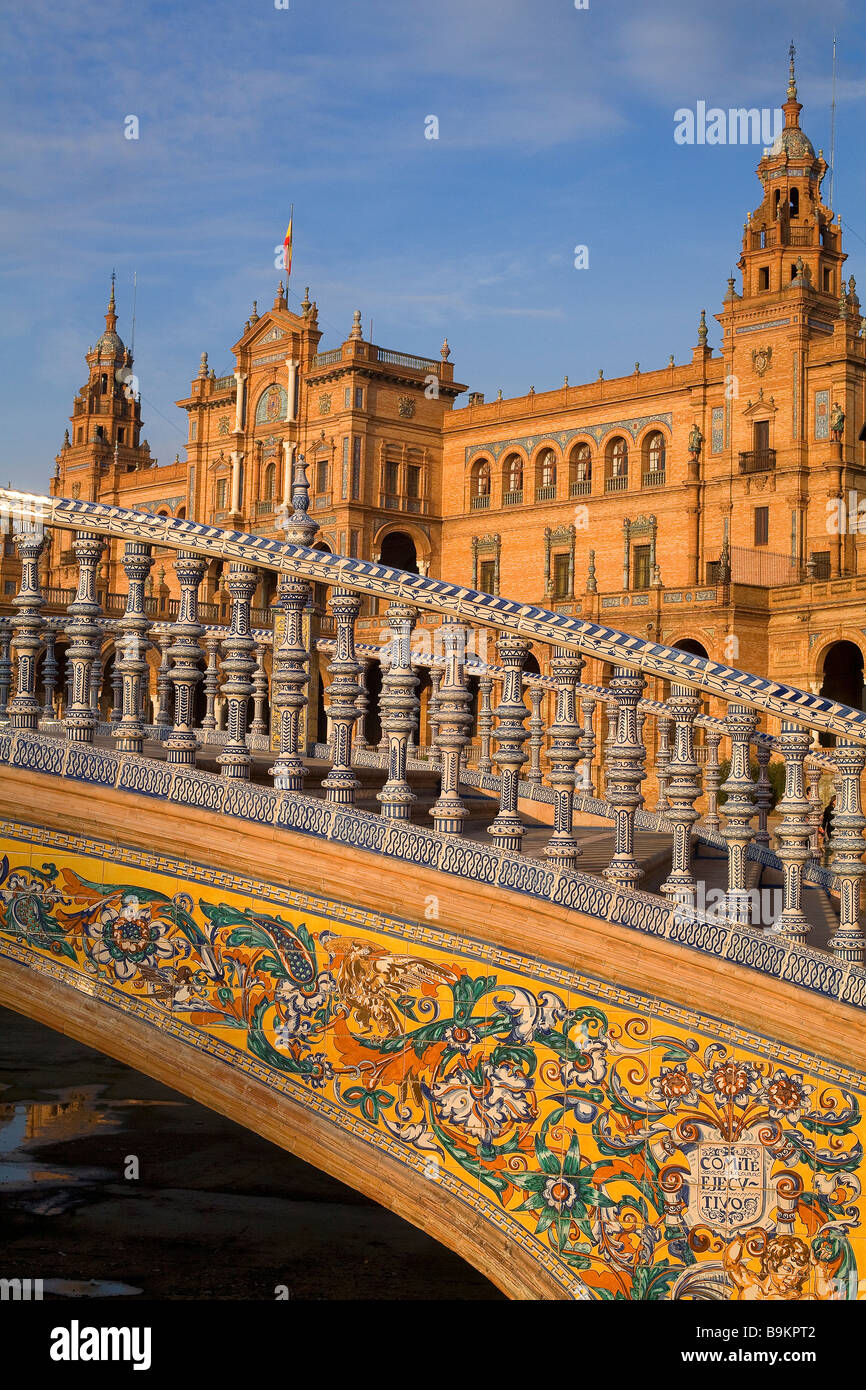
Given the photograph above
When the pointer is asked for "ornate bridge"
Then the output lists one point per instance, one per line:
(588, 1090)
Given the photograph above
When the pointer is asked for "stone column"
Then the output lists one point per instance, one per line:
(236, 480)
(288, 451)
(292, 376)
(290, 680)
(587, 744)
(163, 679)
(28, 624)
(794, 832)
(455, 722)
(181, 745)
(739, 809)
(240, 378)
(50, 672)
(536, 734)
(260, 693)
(83, 632)
(507, 828)
(564, 754)
(96, 674)
(712, 778)
(763, 792)
(682, 793)
(399, 705)
(5, 668)
(485, 722)
(234, 760)
(211, 680)
(129, 659)
(341, 782)
(363, 704)
(626, 773)
(846, 843)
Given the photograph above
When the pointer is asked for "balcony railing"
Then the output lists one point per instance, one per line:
(758, 461)
(581, 488)
(546, 493)
(512, 499)
(617, 483)
(405, 359)
(327, 359)
(654, 478)
(481, 503)
(265, 508)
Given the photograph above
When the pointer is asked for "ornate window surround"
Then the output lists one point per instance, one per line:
(485, 547)
(558, 540)
(640, 526)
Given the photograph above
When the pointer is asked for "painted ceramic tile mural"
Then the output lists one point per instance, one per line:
(640, 1152)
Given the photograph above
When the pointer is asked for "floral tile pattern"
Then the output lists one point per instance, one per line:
(637, 1150)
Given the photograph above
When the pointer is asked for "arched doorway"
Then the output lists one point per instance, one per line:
(842, 680)
(398, 549)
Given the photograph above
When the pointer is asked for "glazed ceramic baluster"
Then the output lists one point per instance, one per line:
(587, 744)
(290, 680)
(116, 713)
(399, 705)
(238, 663)
(83, 633)
(5, 669)
(625, 775)
(814, 772)
(847, 942)
(96, 673)
(485, 722)
(739, 809)
(536, 734)
(712, 778)
(682, 793)
(211, 681)
(28, 623)
(341, 782)
(363, 704)
(564, 754)
(129, 660)
(260, 694)
(611, 709)
(763, 792)
(795, 831)
(433, 715)
(185, 654)
(507, 828)
(50, 672)
(455, 723)
(663, 761)
(163, 679)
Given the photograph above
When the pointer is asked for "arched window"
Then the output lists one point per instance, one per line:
(795, 202)
(270, 482)
(617, 465)
(654, 456)
(512, 477)
(546, 475)
(480, 484)
(580, 469)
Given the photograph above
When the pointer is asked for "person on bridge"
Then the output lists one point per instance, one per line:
(826, 823)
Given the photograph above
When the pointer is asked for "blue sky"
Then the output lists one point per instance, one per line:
(555, 129)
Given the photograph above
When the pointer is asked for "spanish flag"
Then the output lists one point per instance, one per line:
(287, 247)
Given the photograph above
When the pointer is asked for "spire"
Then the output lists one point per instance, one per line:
(792, 107)
(111, 312)
(792, 80)
(357, 331)
(702, 329)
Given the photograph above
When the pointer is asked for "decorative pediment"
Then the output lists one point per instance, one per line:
(761, 409)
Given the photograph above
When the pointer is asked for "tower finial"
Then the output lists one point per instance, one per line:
(792, 80)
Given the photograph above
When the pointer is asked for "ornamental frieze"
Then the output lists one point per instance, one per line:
(633, 426)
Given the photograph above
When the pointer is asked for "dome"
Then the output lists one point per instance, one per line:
(110, 345)
(795, 143)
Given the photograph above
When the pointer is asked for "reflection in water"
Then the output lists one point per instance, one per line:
(76, 1111)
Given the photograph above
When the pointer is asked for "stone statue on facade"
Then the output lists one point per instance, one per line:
(837, 422)
(696, 440)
